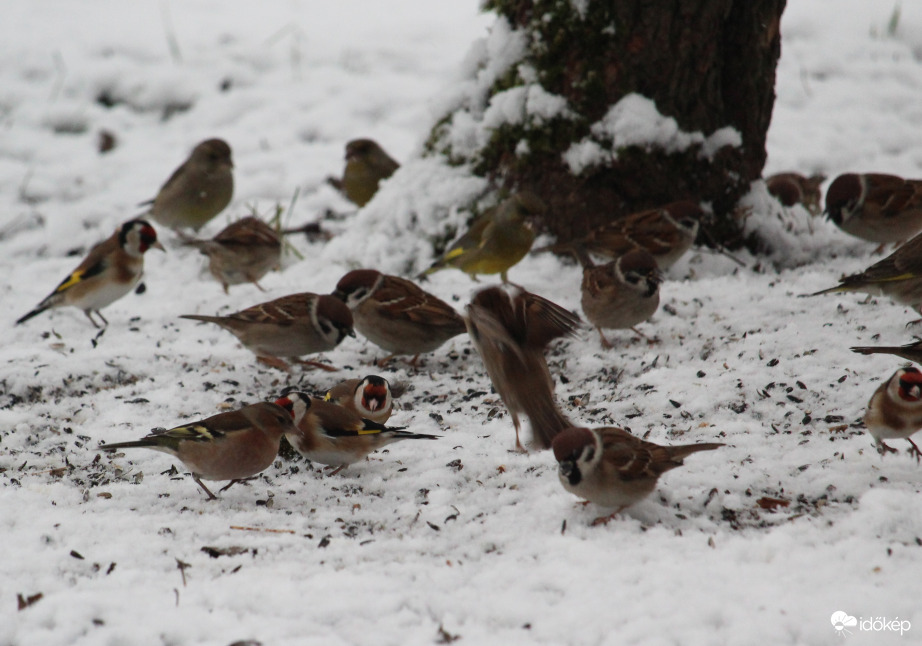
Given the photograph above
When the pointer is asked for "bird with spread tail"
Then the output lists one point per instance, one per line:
(510, 329)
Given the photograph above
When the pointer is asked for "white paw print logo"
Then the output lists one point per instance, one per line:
(842, 621)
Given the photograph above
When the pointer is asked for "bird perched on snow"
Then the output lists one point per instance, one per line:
(496, 240)
(622, 293)
(612, 468)
(396, 314)
(111, 269)
(331, 434)
(366, 165)
(898, 276)
(243, 252)
(895, 410)
(198, 190)
(291, 326)
(794, 188)
(876, 207)
(370, 397)
(510, 329)
(229, 446)
(910, 351)
(665, 233)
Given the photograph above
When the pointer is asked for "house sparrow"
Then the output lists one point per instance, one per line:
(396, 314)
(496, 240)
(665, 233)
(230, 446)
(898, 276)
(794, 188)
(611, 467)
(510, 330)
(621, 293)
(895, 410)
(291, 326)
(243, 252)
(111, 269)
(366, 165)
(874, 207)
(370, 397)
(910, 351)
(331, 434)
(198, 190)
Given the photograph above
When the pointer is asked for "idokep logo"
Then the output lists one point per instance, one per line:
(842, 621)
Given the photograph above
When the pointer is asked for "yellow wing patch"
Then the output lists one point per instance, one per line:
(70, 281)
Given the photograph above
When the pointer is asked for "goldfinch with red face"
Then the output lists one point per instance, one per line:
(895, 410)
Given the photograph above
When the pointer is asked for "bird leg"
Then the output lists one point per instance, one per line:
(884, 448)
(198, 481)
(605, 342)
(89, 315)
(274, 362)
(233, 482)
(336, 469)
(604, 520)
(518, 444)
(915, 450)
(380, 363)
(316, 364)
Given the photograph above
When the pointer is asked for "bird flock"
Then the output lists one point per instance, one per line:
(510, 327)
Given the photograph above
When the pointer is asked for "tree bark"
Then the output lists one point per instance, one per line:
(707, 64)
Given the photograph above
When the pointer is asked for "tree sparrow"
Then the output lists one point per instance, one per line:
(794, 188)
(243, 252)
(875, 207)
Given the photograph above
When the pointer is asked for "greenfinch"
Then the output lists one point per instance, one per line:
(496, 240)
(198, 190)
(366, 165)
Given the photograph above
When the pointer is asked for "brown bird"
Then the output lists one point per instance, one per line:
(612, 468)
(794, 188)
(496, 240)
(230, 446)
(198, 190)
(370, 397)
(396, 314)
(665, 233)
(910, 351)
(510, 330)
(111, 269)
(366, 165)
(243, 252)
(875, 207)
(331, 434)
(898, 276)
(621, 293)
(895, 410)
(291, 326)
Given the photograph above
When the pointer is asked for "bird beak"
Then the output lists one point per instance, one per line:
(159, 246)
(339, 294)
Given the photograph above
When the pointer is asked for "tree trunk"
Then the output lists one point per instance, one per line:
(707, 64)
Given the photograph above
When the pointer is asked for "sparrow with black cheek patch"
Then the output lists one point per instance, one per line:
(665, 233)
(243, 252)
(876, 207)
(331, 434)
(291, 326)
(496, 240)
(895, 410)
(111, 269)
(612, 468)
(511, 329)
(366, 165)
(910, 351)
(794, 188)
(198, 190)
(621, 293)
(370, 397)
(230, 446)
(898, 276)
(396, 314)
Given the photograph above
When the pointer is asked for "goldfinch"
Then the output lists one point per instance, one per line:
(111, 269)
(371, 397)
(230, 446)
(895, 410)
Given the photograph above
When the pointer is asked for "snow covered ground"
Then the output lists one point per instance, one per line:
(459, 538)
